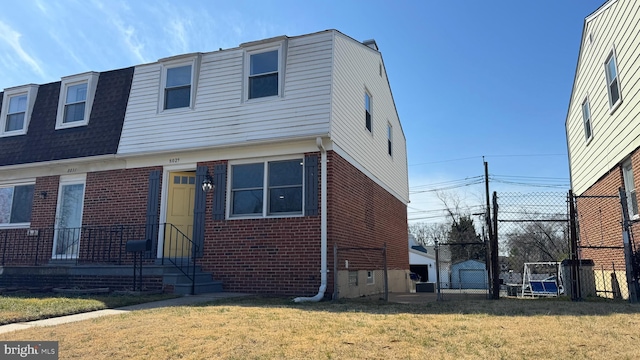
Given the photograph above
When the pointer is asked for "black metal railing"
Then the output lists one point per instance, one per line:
(180, 251)
(81, 245)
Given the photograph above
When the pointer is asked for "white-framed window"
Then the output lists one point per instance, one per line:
(16, 201)
(630, 189)
(371, 279)
(264, 71)
(613, 81)
(17, 106)
(266, 188)
(389, 139)
(586, 119)
(178, 82)
(76, 100)
(368, 120)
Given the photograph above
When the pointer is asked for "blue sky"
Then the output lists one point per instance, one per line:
(470, 78)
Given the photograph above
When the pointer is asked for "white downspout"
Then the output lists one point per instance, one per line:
(323, 227)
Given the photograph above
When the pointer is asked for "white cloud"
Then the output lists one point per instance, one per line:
(12, 38)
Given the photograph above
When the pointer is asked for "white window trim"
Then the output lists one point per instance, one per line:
(265, 188)
(389, 139)
(627, 164)
(586, 101)
(69, 180)
(31, 91)
(371, 280)
(178, 61)
(91, 78)
(367, 92)
(281, 47)
(23, 182)
(610, 54)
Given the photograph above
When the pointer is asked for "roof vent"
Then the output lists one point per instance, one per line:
(371, 43)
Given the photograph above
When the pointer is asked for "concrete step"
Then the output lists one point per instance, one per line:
(180, 278)
(200, 288)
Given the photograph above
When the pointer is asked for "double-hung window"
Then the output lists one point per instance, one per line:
(367, 111)
(630, 189)
(17, 105)
(586, 119)
(263, 74)
(270, 188)
(178, 82)
(76, 100)
(75, 103)
(613, 82)
(177, 91)
(16, 113)
(15, 204)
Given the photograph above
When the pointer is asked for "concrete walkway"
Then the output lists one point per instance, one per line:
(181, 301)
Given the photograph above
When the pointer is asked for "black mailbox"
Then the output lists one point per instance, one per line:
(138, 245)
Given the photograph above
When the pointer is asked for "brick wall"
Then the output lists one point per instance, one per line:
(116, 197)
(363, 214)
(274, 255)
(600, 219)
(282, 255)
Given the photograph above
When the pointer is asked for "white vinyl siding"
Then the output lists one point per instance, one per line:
(357, 69)
(220, 116)
(618, 25)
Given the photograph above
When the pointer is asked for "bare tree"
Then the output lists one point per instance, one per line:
(538, 241)
(427, 233)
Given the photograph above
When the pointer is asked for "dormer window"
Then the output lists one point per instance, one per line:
(76, 99)
(177, 92)
(263, 74)
(264, 67)
(16, 113)
(17, 105)
(75, 103)
(178, 82)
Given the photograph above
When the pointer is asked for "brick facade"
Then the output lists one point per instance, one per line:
(600, 218)
(266, 255)
(116, 197)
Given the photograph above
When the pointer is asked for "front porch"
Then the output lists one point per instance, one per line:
(97, 256)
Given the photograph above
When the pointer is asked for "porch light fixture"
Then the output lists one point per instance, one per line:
(43, 195)
(207, 184)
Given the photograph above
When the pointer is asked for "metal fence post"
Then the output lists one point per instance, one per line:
(573, 251)
(438, 296)
(386, 277)
(335, 271)
(632, 282)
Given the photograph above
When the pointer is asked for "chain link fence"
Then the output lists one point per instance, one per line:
(461, 270)
(533, 235)
(600, 247)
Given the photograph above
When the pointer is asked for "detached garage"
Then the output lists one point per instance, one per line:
(469, 274)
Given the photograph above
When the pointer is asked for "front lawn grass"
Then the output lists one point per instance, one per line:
(276, 328)
(22, 307)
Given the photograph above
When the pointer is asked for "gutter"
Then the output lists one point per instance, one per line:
(323, 228)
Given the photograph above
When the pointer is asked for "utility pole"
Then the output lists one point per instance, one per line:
(491, 267)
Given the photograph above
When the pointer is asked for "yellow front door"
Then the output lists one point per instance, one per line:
(180, 204)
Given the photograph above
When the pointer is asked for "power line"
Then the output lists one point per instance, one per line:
(486, 156)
